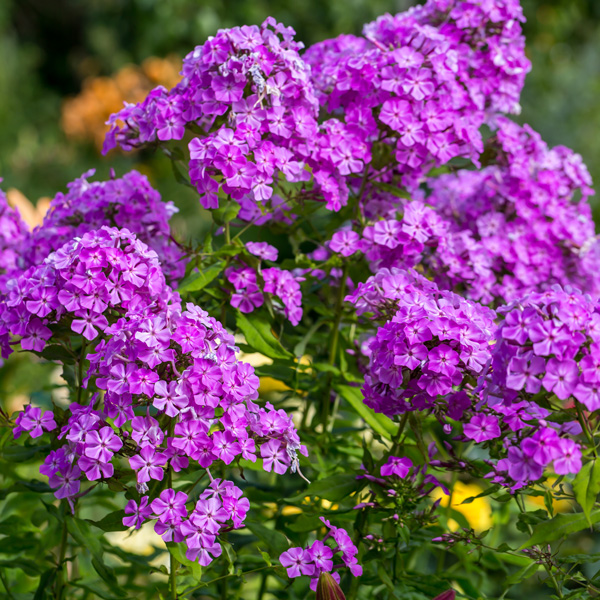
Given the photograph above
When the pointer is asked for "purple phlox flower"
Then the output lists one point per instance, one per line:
(297, 562)
(102, 444)
(262, 250)
(169, 507)
(34, 421)
(139, 513)
(482, 427)
(396, 466)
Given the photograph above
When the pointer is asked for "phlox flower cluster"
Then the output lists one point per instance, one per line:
(219, 508)
(318, 557)
(249, 97)
(435, 342)
(251, 285)
(13, 233)
(83, 285)
(547, 342)
(518, 226)
(424, 81)
(127, 202)
(173, 390)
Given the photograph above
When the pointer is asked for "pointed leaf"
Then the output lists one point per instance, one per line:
(257, 332)
(559, 527)
(198, 280)
(586, 487)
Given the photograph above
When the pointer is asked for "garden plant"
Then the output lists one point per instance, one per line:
(377, 376)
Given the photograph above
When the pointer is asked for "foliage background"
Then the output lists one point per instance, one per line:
(51, 51)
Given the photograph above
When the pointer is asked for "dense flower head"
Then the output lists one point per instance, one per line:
(128, 202)
(318, 557)
(251, 286)
(435, 344)
(425, 80)
(13, 233)
(548, 343)
(518, 226)
(249, 97)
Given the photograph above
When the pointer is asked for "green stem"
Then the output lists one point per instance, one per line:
(5, 584)
(172, 560)
(60, 573)
(584, 426)
(80, 371)
(396, 440)
(173, 577)
(557, 587)
(263, 586)
(227, 233)
(333, 347)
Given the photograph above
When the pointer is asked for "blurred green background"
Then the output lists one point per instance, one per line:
(91, 50)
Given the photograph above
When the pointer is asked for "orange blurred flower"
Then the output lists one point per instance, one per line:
(84, 116)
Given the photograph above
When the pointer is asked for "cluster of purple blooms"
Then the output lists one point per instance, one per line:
(518, 226)
(435, 344)
(152, 360)
(128, 202)
(424, 81)
(548, 342)
(249, 97)
(318, 557)
(13, 236)
(251, 285)
(164, 390)
(219, 508)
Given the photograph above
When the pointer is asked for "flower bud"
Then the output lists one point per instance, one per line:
(448, 595)
(328, 588)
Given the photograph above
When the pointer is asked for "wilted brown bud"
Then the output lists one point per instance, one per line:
(328, 588)
(449, 595)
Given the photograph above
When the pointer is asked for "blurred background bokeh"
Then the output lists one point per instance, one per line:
(67, 64)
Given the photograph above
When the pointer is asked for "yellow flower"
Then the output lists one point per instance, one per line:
(478, 513)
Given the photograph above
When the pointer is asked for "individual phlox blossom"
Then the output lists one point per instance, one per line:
(128, 202)
(425, 80)
(482, 428)
(139, 512)
(34, 421)
(433, 342)
(262, 250)
(318, 557)
(396, 466)
(345, 242)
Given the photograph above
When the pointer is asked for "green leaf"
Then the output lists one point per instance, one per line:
(226, 213)
(334, 488)
(559, 527)
(196, 281)
(23, 453)
(257, 332)
(58, 352)
(111, 522)
(275, 540)
(178, 552)
(82, 534)
(586, 487)
(27, 566)
(523, 573)
(378, 422)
